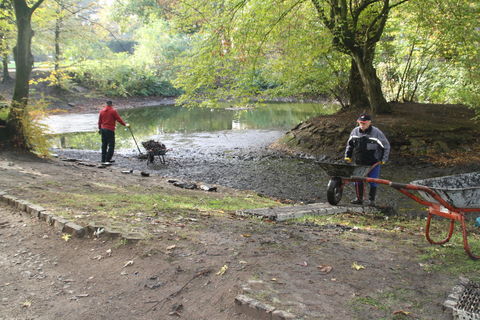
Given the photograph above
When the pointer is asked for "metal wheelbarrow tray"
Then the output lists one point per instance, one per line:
(460, 191)
(340, 174)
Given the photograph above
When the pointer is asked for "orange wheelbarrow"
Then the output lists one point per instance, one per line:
(450, 197)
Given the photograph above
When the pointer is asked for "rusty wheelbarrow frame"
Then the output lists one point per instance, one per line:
(440, 208)
(160, 153)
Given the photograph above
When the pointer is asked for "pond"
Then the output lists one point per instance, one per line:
(173, 123)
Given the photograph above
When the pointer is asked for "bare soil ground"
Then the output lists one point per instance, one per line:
(174, 274)
(42, 276)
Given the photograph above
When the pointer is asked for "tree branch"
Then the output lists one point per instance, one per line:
(36, 5)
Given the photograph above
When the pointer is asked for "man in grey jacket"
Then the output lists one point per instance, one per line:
(367, 145)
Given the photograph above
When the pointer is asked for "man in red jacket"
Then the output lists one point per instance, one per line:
(107, 120)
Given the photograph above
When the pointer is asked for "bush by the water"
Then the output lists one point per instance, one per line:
(120, 77)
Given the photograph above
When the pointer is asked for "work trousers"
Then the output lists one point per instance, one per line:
(108, 144)
(375, 173)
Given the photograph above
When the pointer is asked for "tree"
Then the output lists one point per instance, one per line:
(62, 22)
(24, 63)
(7, 26)
(355, 27)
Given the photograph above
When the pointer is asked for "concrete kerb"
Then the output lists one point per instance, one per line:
(258, 310)
(60, 224)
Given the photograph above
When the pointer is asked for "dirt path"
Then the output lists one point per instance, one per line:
(42, 276)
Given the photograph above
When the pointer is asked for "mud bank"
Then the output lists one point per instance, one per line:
(272, 173)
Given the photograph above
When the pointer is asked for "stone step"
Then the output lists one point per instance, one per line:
(298, 211)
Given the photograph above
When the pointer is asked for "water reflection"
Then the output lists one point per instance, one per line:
(80, 131)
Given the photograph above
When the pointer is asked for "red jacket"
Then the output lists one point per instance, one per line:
(108, 117)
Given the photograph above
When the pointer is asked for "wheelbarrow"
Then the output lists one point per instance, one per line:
(340, 174)
(450, 197)
(158, 153)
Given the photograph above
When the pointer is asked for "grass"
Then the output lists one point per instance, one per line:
(3, 113)
(122, 203)
(394, 304)
(134, 204)
(450, 257)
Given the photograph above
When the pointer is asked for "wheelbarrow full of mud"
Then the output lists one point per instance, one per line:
(155, 149)
(450, 197)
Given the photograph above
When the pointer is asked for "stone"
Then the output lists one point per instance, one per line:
(282, 315)
(10, 200)
(112, 232)
(74, 229)
(42, 215)
(34, 210)
(253, 308)
(59, 223)
(50, 218)
(133, 236)
(450, 303)
(22, 205)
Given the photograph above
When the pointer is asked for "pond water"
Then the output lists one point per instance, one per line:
(173, 123)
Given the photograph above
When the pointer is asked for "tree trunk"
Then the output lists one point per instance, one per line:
(356, 92)
(6, 75)
(371, 83)
(58, 23)
(23, 63)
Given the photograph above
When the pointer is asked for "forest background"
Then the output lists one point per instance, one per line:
(203, 52)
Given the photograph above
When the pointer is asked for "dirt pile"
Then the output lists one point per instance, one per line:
(425, 131)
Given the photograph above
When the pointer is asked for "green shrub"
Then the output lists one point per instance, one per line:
(119, 76)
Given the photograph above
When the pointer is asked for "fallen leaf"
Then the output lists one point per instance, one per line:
(274, 279)
(242, 262)
(129, 263)
(323, 268)
(26, 304)
(303, 264)
(222, 270)
(171, 247)
(401, 312)
(246, 235)
(357, 266)
(66, 236)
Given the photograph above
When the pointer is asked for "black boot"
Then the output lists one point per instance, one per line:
(371, 196)
(359, 191)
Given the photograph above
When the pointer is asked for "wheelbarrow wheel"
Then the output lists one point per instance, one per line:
(334, 191)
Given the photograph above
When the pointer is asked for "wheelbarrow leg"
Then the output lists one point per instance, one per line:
(466, 246)
(427, 231)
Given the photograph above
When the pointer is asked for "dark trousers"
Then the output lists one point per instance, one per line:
(108, 144)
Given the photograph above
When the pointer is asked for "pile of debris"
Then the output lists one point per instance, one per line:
(156, 147)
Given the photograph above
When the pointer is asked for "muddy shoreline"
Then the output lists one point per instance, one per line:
(274, 174)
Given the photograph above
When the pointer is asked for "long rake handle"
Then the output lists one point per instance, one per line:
(134, 140)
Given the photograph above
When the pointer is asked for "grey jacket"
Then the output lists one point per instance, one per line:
(367, 147)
